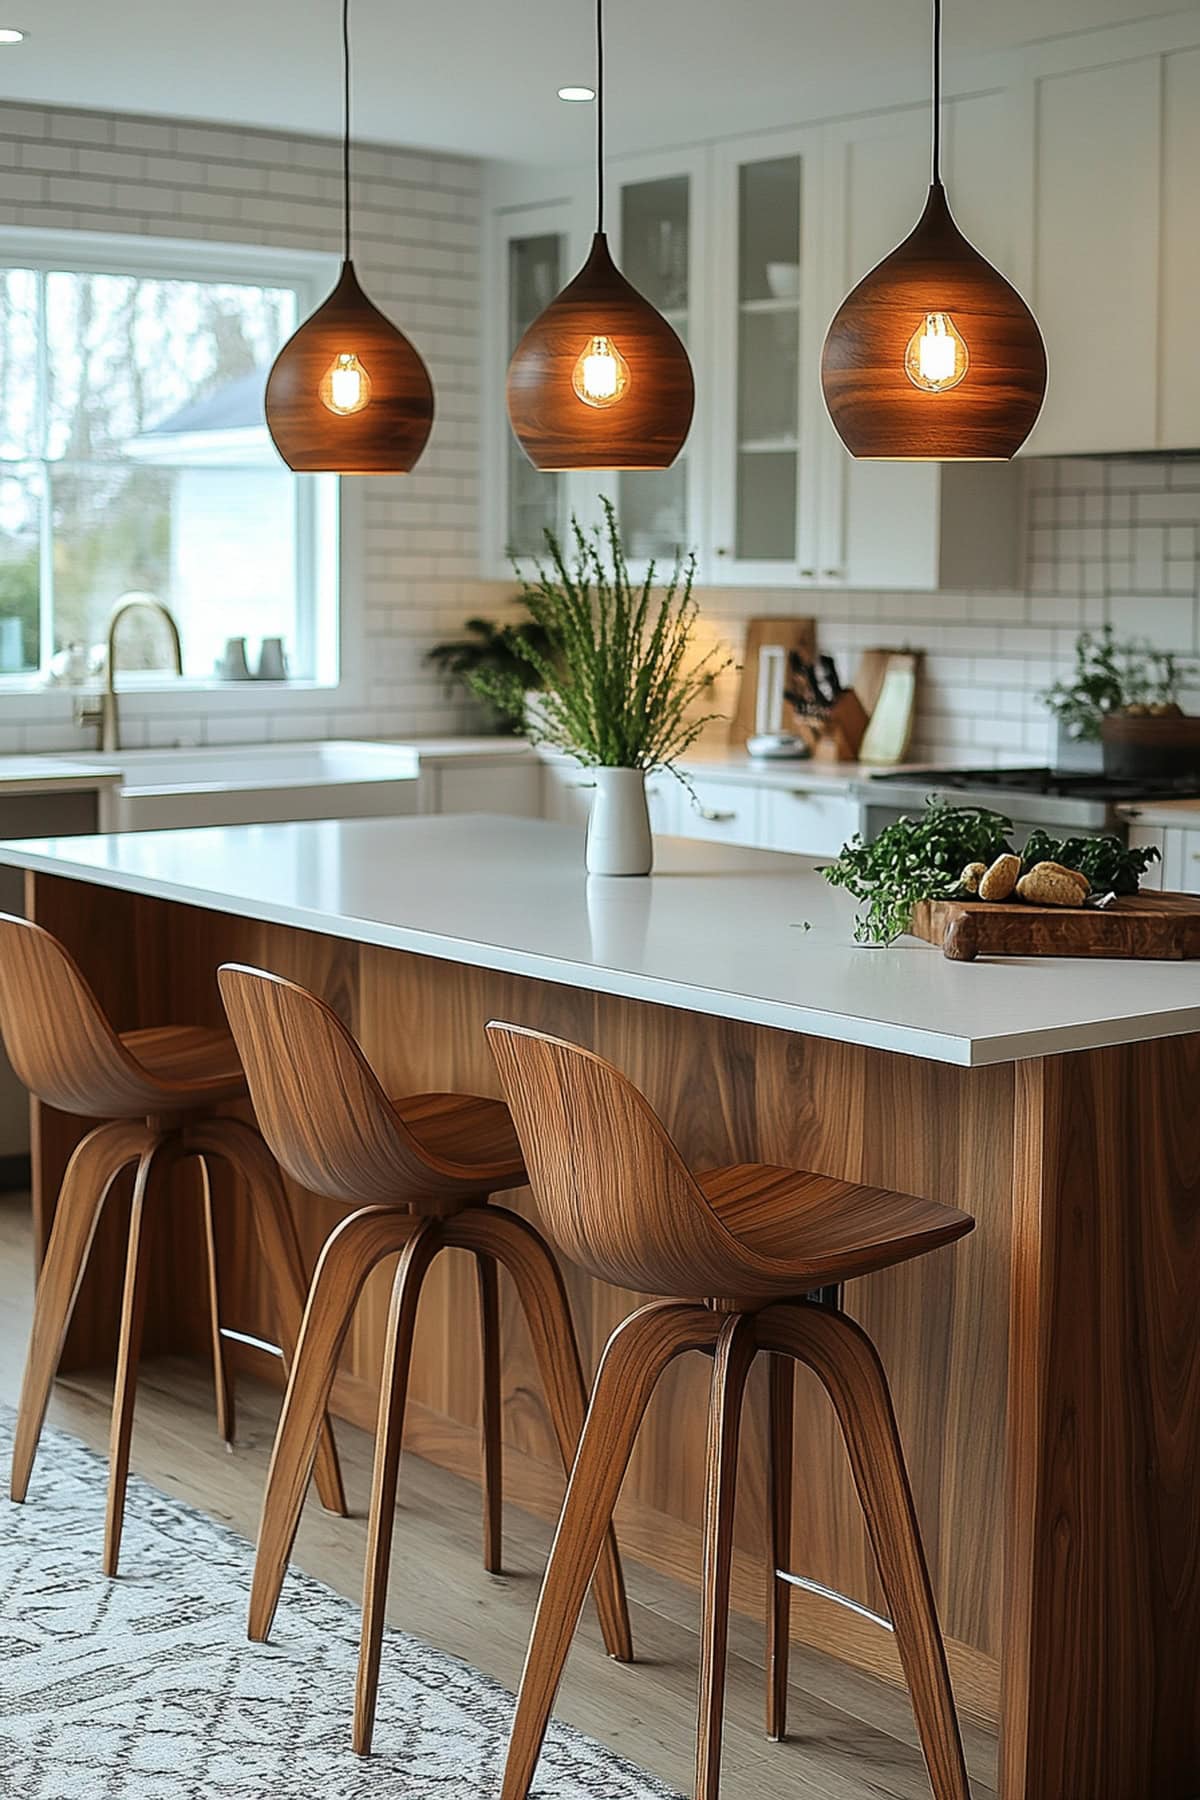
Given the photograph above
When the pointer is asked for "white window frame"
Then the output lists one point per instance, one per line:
(336, 619)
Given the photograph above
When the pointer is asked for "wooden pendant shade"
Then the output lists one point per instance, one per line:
(984, 413)
(646, 426)
(383, 397)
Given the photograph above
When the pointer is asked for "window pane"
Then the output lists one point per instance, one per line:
(217, 543)
(127, 355)
(19, 426)
(20, 533)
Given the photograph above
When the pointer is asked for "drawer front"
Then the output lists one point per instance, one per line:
(664, 796)
(721, 812)
(808, 822)
(1189, 873)
(513, 788)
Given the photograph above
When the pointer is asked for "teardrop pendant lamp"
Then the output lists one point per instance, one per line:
(348, 394)
(934, 356)
(600, 380)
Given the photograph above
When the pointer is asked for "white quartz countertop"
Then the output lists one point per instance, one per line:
(715, 930)
(52, 775)
(1183, 815)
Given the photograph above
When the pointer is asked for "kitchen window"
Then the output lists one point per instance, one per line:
(134, 457)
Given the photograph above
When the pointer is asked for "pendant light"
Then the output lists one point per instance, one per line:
(934, 356)
(348, 394)
(600, 380)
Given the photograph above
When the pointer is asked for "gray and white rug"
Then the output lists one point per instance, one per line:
(145, 1688)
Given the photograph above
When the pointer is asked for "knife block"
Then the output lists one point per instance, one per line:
(836, 736)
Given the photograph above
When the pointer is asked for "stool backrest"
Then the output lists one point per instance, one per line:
(58, 1040)
(614, 1192)
(319, 1103)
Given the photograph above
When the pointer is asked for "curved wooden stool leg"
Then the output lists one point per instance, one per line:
(848, 1366)
(415, 1259)
(737, 1347)
(780, 1414)
(350, 1254)
(511, 1240)
(636, 1355)
(94, 1166)
(222, 1381)
(491, 1414)
(243, 1149)
(154, 1164)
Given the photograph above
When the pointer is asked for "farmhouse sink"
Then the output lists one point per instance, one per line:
(258, 784)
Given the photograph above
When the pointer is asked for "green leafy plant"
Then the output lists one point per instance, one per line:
(914, 859)
(615, 660)
(1111, 677)
(486, 653)
(1110, 866)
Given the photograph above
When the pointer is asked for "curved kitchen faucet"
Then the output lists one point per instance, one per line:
(107, 714)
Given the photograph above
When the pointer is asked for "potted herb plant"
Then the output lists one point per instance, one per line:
(486, 648)
(1110, 680)
(622, 684)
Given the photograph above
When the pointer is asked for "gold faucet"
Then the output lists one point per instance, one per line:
(107, 715)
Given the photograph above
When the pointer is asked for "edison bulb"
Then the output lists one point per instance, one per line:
(936, 357)
(601, 374)
(345, 385)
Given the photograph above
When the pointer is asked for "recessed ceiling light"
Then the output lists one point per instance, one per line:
(9, 34)
(576, 93)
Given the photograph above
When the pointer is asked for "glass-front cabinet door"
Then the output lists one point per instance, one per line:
(658, 213)
(531, 252)
(766, 362)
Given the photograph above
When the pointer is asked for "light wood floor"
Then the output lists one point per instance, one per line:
(851, 1737)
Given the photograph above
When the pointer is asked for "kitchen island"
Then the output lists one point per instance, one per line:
(1046, 1371)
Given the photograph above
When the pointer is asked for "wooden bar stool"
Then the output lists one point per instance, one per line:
(738, 1249)
(421, 1169)
(156, 1089)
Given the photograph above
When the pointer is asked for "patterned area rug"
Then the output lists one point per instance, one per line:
(145, 1688)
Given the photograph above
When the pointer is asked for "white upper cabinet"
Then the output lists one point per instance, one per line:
(1178, 362)
(766, 341)
(530, 261)
(659, 209)
(1096, 247)
(1111, 132)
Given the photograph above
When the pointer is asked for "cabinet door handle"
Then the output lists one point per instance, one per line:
(834, 574)
(722, 550)
(807, 574)
(712, 817)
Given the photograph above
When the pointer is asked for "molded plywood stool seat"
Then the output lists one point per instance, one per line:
(422, 1171)
(738, 1250)
(156, 1090)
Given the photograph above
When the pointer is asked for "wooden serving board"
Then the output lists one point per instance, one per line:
(788, 634)
(1153, 927)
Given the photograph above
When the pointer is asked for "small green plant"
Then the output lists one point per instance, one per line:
(486, 650)
(915, 859)
(1111, 677)
(615, 660)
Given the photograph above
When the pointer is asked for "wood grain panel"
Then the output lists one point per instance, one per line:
(728, 1092)
(1102, 1658)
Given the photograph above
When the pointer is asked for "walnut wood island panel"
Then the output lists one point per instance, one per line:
(1046, 1370)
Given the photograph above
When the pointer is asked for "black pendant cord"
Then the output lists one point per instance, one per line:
(346, 127)
(600, 117)
(937, 93)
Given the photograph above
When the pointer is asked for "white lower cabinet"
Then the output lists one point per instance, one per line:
(807, 821)
(1179, 870)
(721, 812)
(513, 787)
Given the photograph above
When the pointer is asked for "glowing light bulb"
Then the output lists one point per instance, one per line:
(936, 358)
(601, 375)
(345, 385)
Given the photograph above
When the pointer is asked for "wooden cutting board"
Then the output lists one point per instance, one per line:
(789, 634)
(1153, 927)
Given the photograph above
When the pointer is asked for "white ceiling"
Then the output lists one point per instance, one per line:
(480, 76)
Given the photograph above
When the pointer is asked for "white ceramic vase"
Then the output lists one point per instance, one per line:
(618, 834)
